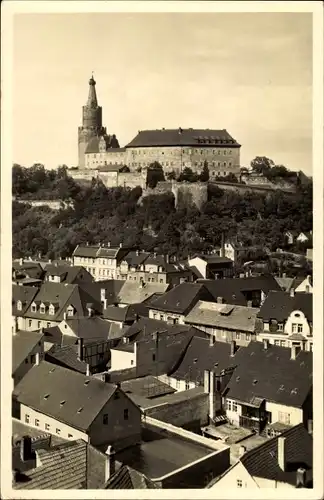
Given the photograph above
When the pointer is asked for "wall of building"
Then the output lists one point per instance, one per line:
(297, 317)
(179, 385)
(192, 411)
(186, 194)
(55, 427)
(119, 432)
(236, 477)
(279, 413)
(200, 264)
(167, 316)
(122, 359)
(31, 324)
(223, 335)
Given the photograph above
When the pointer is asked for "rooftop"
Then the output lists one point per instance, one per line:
(181, 298)
(22, 344)
(183, 137)
(67, 273)
(223, 316)
(279, 305)
(133, 293)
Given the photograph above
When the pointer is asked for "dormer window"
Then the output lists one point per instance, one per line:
(33, 307)
(70, 311)
(19, 305)
(42, 309)
(51, 310)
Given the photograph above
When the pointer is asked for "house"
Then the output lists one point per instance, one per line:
(287, 319)
(22, 297)
(40, 464)
(100, 261)
(85, 357)
(212, 266)
(127, 478)
(153, 268)
(304, 236)
(291, 237)
(26, 270)
(151, 347)
(309, 254)
(27, 351)
(225, 322)
(305, 286)
(124, 316)
(138, 292)
(285, 461)
(55, 302)
(174, 305)
(63, 273)
(270, 384)
(74, 406)
(249, 291)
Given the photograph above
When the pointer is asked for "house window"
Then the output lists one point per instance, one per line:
(58, 431)
(297, 328)
(247, 337)
(132, 362)
(30, 323)
(223, 333)
(229, 405)
(277, 342)
(187, 385)
(33, 308)
(153, 357)
(36, 422)
(70, 311)
(280, 327)
(105, 419)
(282, 343)
(19, 305)
(42, 309)
(176, 321)
(47, 427)
(234, 407)
(126, 414)
(239, 483)
(161, 317)
(238, 336)
(27, 419)
(32, 358)
(177, 384)
(300, 328)
(284, 418)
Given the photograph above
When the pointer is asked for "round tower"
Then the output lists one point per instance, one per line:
(91, 122)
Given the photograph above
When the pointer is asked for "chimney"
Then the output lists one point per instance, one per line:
(105, 302)
(37, 358)
(284, 275)
(120, 245)
(301, 477)
(219, 300)
(80, 349)
(135, 354)
(233, 347)
(21, 261)
(222, 249)
(292, 292)
(110, 463)
(137, 253)
(64, 316)
(26, 449)
(212, 395)
(310, 426)
(282, 453)
(242, 450)
(88, 370)
(265, 344)
(167, 258)
(50, 261)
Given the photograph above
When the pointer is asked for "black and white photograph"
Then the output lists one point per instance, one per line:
(162, 221)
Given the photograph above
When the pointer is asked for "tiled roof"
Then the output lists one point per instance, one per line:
(111, 287)
(110, 140)
(201, 356)
(26, 295)
(81, 392)
(214, 259)
(91, 328)
(135, 259)
(232, 289)
(72, 465)
(28, 268)
(133, 293)
(22, 344)
(127, 478)
(285, 283)
(262, 461)
(146, 387)
(279, 305)
(223, 316)
(69, 274)
(183, 137)
(181, 298)
(122, 314)
(66, 356)
(271, 374)
(99, 251)
(116, 167)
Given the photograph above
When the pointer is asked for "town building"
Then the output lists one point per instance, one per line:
(287, 319)
(64, 273)
(74, 406)
(285, 461)
(22, 297)
(306, 285)
(27, 272)
(225, 322)
(270, 384)
(100, 261)
(212, 266)
(27, 351)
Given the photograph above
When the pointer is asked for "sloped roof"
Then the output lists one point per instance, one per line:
(111, 288)
(223, 316)
(285, 283)
(127, 478)
(200, 356)
(146, 387)
(133, 293)
(110, 140)
(135, 258)
(22, 344)
(180, 298)
(26, 295)
(232, 289)
(90, 328)
(69, 274)
(49, 379)
(183, 137)
(271, 374)
(279, 305)
(214, 259)
(30, 268)
(66, 356)
(262, 461)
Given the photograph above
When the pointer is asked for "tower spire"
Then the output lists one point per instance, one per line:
(92, 97)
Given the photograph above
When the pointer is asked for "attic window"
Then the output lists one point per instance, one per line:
(294, 391)
(80, 410)
(86, 382)
(215, 364)
(52, 370)
(237, 379)
(255, 382)
(272, 453)
(46, 396)
(281, 388)
(195, 360)
(62, 403)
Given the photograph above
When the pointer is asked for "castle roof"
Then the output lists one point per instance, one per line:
(183, 137)
(111, 143)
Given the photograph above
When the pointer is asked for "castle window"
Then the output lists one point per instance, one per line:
(229, 163)
(218, 151)
(224, 152)
(224, 163)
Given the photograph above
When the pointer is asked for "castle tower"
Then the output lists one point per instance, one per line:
(91, 122)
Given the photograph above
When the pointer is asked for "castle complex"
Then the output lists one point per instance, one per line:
(174, 149)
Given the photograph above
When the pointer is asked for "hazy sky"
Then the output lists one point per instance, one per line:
(248, 73)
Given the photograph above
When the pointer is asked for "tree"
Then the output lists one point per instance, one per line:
(187, 175)
(262, 165)
(204, 176)
(155, 174)
(171, 175)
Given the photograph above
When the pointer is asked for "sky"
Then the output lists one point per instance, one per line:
(249, 73)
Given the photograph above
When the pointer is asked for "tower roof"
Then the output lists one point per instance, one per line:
(92, 97)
